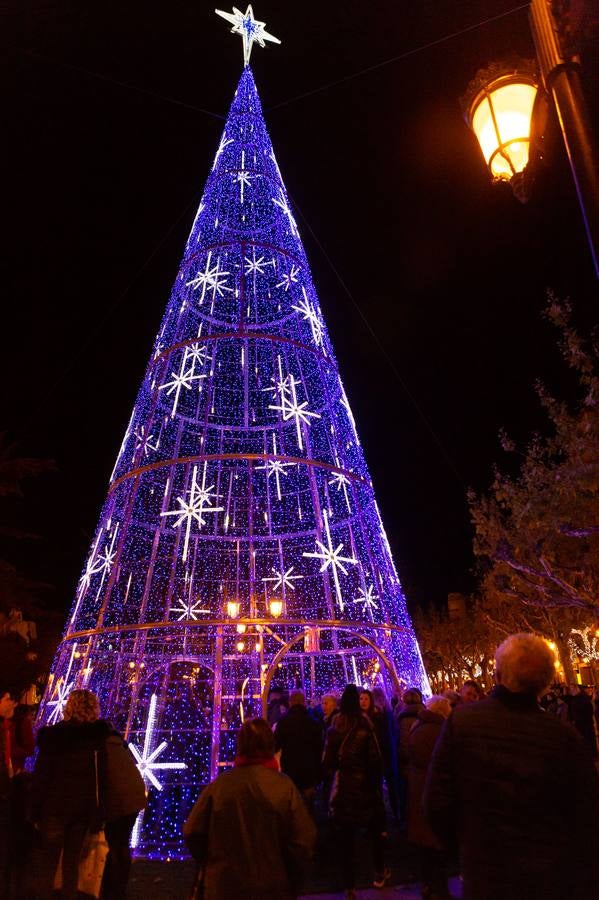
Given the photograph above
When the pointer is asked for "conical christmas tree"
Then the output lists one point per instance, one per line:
(240, 540)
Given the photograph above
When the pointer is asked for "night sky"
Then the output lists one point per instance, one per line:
(431, 281)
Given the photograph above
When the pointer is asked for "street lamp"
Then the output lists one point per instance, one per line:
(499, 107)
(498, 111)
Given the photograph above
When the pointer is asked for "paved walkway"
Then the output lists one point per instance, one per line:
(172, 881)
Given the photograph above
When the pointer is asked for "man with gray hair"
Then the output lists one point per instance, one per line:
(515, 789)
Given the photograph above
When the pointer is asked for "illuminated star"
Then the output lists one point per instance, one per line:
(280, 385)
(291, 409)
(194, 509)
(182, 379)
(257, 265)
(224, 143)
(341, 481)
(289, 278)
(211, 279)
(306, 308)
(144, 441)
(188, 610)
(249, 28)
(62, 690)
(242, 177)
(275, 467)
(147, 764)
(283, 579)
(123, 444)
(331, 556)
(282, 203)
(368, 599)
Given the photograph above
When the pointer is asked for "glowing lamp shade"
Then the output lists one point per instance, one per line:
(500, 116)
(276, 608)
(233, 608)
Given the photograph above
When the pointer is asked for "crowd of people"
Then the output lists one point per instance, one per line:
(501, 788)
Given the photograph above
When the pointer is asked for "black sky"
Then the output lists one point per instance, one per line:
(110, 141)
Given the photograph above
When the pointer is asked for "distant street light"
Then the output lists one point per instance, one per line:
(506, 107)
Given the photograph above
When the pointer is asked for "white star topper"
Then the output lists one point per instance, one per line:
(249, 28)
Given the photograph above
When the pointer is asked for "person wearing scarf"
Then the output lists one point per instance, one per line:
(249, 831)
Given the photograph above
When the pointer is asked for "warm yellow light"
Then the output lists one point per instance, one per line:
(233, 608)
(276, 608)
(552, 644)
(500, 117)
(131, 665)
(258, 646)
(240, 646)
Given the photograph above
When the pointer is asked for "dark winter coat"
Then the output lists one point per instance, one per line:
(352, 753)
(299, 738)
(421, 743)
(252, 832)
(404, 720)
(581, 711)
(64, 778)
(519, 792)
(4, 773)
(384, 728)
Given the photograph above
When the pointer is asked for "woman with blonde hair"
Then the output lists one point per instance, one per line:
(84, 778)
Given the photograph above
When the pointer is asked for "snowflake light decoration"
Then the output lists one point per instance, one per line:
(213, 278)
(63, 688)
(290, 408)
(194, 509)
(341, 482)
(182, 379)
(306, 308)
(281, 202)
(331, 556)
(283, 579)
(289, 278)
(189, 610)
(275, 467)
(367, 598)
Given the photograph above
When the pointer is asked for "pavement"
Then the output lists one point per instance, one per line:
(152, 880)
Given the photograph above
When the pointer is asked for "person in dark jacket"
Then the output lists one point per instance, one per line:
(352, 753)
(421, 743)
(384, 727)
(7, 705)
(516, 788)
(298, 736)
(406, 714)
(249, 830)
(581, 711)
(84, 776)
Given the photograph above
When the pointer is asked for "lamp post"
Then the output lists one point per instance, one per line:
(505, 110)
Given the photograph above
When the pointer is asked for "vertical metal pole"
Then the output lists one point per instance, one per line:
(560, 71)
(217, 703)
